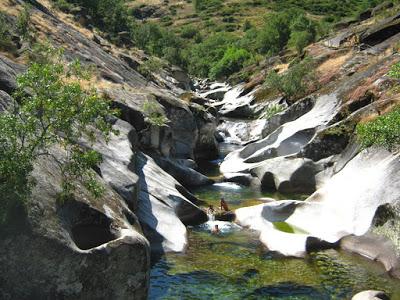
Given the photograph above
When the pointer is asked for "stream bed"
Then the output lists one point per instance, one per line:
(235, 265)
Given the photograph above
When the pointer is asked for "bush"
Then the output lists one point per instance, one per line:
(233, 61)
(271, 111)
(202, 57)
(274, 35)
(23, 23)
(383, 131)
(294, 82)
(202, 5)
(154, 114)
(57, 110)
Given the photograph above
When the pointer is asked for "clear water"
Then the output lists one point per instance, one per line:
(234, 265)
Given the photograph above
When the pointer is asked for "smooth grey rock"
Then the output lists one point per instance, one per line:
(8, 74)
(241, 178)
(344, 205)
(373, 247)
(185, 175)
(371, 295)
(80, 249)
(164, 207)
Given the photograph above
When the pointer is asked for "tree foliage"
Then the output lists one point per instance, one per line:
(384, 130)
(51, 108)
(293, 83)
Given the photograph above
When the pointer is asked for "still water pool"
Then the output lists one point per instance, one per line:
(234, 264)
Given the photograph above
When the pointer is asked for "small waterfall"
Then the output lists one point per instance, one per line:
(211, 216)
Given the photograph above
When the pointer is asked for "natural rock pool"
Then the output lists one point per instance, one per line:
(235, 265)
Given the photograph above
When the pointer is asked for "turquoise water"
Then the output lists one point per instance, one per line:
(235, 265)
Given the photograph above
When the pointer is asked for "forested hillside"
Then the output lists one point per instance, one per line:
(214, 38)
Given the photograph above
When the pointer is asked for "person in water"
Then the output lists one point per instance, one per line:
(215, 230)
(210, 210)
(224, 205)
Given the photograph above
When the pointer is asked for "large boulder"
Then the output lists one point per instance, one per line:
(371, 295)
(77, 249)
(8, 74)
(165, 207)
(344, 205)
(288, 139)
(118, 161)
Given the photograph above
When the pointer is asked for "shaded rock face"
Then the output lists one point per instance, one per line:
(80, 249)
(164, 207)
(344, 205)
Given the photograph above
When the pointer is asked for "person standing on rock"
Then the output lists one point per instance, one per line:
(224, 205)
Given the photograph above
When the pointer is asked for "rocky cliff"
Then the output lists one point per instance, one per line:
(87, 248)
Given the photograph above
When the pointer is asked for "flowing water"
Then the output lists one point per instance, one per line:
(234, 265)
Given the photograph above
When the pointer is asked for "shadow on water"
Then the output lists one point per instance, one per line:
(287, 290)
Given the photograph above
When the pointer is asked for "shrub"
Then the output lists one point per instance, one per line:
(188, 32)
(154, 114)
(233, 61)
(23, 22)
(274, 35)
(383, 131)
(202, 5)
(272, 110)
(202, 57)
(294, 82)
(57, 110)
(150, 66)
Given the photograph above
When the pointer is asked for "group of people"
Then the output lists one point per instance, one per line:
(223, 206)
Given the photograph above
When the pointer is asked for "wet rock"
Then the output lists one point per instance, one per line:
(288, 139)
(374, 247)
(371, 295)
(344, 205)
(79, 249)
(241, 178)
(226, 216)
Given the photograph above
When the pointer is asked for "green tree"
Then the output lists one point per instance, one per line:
(51, 108)
(233, 61)
(294, 82)
(275, 34)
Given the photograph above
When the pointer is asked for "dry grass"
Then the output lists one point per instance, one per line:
(334, 64)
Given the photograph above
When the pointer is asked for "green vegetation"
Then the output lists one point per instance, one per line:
(154, 113)
(271, 111)
(150, 66)
(384, 130)
(23, 23)
(294, 83)
(51, 108)
(224, 35)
